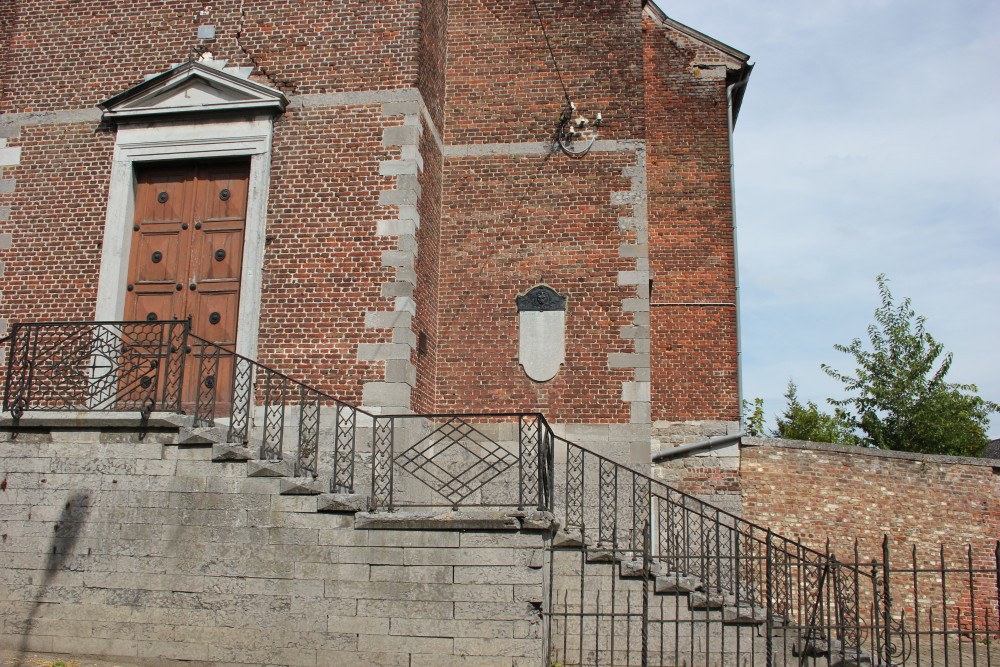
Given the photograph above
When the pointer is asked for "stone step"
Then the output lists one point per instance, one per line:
(230, 452)
(301, 486)
(343, 503)
(744, 615)
(600, 555)
(709, 601)
(568, 539)
(677, 584)
(269, 469)
(190, 436)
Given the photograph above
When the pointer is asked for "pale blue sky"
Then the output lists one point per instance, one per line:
(868, 142)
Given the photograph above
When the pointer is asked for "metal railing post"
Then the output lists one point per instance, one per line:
(886, 598)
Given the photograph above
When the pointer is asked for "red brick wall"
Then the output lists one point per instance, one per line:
(433, 57)
(69, 54)
(502, 86)
(57, 213)
(431, 83)
(491, 227)
(691, 250)
(322, 266)
(508, 224)
(813, 492)
(428, 280)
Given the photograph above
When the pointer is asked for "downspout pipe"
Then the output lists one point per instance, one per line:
(694, 447)
(731, 91)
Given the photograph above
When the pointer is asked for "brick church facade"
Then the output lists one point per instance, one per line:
(364, 195)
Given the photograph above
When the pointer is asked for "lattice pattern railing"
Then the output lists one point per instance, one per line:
(508, 461)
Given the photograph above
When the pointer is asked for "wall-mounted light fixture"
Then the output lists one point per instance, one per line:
(576, 134)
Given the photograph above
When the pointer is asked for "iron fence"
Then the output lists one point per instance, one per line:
(646, 575)
(639, 573)
(462, 460)
(95, 366)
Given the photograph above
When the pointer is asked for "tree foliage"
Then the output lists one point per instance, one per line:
(808, 422)
(899, 398)
(753, 418)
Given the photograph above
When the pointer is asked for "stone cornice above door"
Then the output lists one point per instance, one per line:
(196, 87)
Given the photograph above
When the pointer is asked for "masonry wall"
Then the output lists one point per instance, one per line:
(325, 268)
(70, 55)
(57, 201)
(539, 219)
(813, 492)
(117, 547)
(415, 191)
(691, 252)
(518, 213)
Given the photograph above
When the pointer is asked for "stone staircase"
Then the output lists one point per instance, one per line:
(687, 622)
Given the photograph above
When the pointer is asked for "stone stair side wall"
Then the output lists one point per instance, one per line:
(149, 550)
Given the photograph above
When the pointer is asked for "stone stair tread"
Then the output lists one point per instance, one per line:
(300, 486)
(633, 568)
(345, 503)
(676, 583)
(744, 614)
(603, 555)
(230, 452)
(269, 469)
(568, 539)
(710, 600)
(187, 436)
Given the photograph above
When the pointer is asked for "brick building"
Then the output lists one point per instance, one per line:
(358, 194)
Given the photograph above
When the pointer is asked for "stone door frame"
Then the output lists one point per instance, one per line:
(188, 140)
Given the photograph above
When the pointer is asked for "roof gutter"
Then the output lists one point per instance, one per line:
(695, 447)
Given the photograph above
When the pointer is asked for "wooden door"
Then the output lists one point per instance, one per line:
(186, 256)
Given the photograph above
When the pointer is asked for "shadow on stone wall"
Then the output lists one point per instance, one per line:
(66, 533)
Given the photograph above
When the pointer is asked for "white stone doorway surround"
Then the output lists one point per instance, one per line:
(195, 111)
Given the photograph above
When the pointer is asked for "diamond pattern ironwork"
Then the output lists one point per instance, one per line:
(574, 486)
(307, 457)
(343, 462)
(456, 460)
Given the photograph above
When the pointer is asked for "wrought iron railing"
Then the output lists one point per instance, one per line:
(758, 597)
(462, 460)
(95, 366)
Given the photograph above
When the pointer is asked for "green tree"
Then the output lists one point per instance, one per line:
(808, 422)
(753, 418)
(899, 397)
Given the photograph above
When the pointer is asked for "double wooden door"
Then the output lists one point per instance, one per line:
(186, 255)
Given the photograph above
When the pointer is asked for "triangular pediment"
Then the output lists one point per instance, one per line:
(194, 88)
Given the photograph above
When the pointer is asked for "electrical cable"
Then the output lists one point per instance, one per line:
(552, 54)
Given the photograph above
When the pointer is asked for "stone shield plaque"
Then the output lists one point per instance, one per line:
(542, 332)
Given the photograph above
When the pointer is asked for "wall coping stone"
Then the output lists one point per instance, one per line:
(869, 451)
(438, 519)
(92, 420)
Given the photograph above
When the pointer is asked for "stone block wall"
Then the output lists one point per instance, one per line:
(144, 549)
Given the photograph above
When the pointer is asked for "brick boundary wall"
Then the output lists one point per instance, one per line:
(815, 491)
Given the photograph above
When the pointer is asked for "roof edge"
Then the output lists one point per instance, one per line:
(660, 16)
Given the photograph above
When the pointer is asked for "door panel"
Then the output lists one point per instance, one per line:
(187, 254)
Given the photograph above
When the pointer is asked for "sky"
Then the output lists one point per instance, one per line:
(868, 142)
